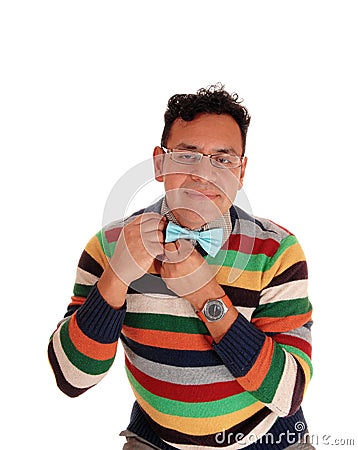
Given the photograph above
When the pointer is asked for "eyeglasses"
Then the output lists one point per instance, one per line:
(220, 160)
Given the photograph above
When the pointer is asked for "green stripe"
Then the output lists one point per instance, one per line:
(165, 322)
(284, 308)
(81, 290)
(100, 237)
(251, 263)
(82, 362)
(238, 260)
(193, 410)
(107, 247)
(300, 353)
(267, 390)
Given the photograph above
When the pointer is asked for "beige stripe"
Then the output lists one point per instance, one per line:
(164, 304)
(287, 291)
(281, 403)
(253, 230)
(246, 312)
(86, 278)
(159, 304)
(74, 376)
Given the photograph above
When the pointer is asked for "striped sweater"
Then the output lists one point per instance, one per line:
(192, 393)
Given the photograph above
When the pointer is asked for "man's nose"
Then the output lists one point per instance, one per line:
(204, 170)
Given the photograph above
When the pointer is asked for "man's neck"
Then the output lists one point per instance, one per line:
(223, 221)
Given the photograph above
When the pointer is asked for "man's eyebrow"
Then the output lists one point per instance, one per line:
(184, 146)
(225, 150)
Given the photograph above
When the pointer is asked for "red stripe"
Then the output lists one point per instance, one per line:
(294, 342)
(113, 234)
(252, 246)
(185, 393)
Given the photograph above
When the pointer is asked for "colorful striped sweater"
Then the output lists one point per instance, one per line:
(192, 393)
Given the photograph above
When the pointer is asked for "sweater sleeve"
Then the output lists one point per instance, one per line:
(270, 356)
(83, 347)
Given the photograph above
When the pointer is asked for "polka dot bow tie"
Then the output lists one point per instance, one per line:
(210, 240)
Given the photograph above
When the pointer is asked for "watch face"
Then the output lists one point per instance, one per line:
(214, 310)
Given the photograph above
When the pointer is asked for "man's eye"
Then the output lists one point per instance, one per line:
(185, 156)
(224, 160)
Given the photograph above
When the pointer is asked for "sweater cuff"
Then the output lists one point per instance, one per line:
(98, 320)
(240, 346)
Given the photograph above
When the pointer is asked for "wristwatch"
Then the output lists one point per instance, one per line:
(215, 309)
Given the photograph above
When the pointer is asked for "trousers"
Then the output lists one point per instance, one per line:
(135, 442)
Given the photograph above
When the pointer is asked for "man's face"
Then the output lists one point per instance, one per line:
(197, 194)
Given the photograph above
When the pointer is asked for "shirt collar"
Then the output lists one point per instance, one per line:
(223, 221)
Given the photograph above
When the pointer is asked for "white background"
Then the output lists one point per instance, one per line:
(84, 85)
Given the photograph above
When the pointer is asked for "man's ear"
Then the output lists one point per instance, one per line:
(242, 172)
(158, 158)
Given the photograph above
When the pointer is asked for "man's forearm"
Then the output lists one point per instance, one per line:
(82, 349)
(220, 328)
(112, 288)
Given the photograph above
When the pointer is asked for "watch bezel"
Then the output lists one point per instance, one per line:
(217, 301)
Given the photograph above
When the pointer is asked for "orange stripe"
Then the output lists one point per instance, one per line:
(88, 346)
(168, 339)
(281, 324)
(256, 375)
(77, 300)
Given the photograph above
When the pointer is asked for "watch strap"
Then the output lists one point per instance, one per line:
(225, 299)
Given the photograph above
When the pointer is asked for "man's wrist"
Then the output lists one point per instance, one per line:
(207, 292)
(199, 298)
(214, 309)
(112, 288)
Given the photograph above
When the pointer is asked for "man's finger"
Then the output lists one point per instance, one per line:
(171, 247)
(177, 251)
(146, 217)
(185, 247)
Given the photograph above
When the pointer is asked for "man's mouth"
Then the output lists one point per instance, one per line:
(201, 195)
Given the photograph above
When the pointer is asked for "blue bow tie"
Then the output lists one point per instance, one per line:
(210, 240)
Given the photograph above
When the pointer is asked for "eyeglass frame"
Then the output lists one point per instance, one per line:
(169, 151)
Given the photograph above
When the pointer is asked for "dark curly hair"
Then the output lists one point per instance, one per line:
(213, 100)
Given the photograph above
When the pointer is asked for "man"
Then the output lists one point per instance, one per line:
(210, 304)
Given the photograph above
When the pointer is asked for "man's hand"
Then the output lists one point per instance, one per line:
(187, 273)
(138, 245)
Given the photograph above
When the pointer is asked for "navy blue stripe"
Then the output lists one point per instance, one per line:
(71, 309)
(247, 298)
(89, 264)
(98, 320)
(298, 390)
(178, 358)
(296, 272)
(149, 283)
(61, 381)
(240, 346)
